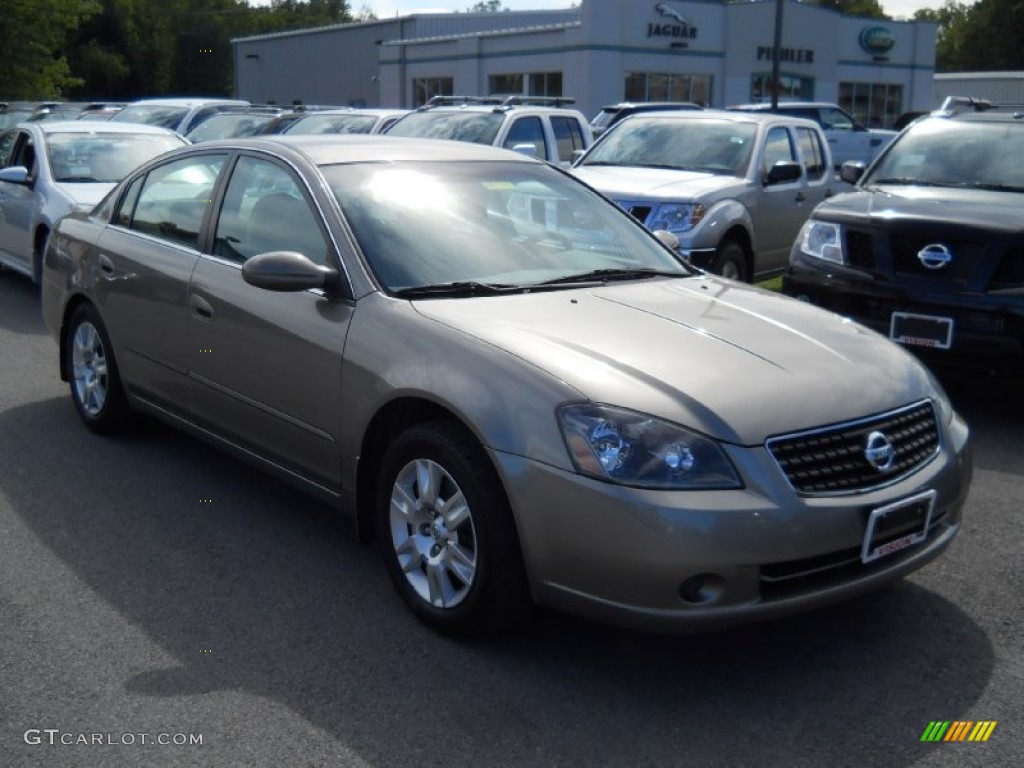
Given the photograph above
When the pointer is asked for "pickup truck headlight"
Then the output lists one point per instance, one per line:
(631, 448)
(676, 217)
(822, 240)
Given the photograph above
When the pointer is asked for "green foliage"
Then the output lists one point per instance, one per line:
(870, 8)
(984, 36)
(32, 38)
(487, 6)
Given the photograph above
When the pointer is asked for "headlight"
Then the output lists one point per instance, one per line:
(636, 449)
(676, 217)
(822, 240)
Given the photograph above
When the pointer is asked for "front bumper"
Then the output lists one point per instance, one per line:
(988, 329)
(674, 561)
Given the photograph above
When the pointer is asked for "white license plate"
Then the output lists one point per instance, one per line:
(921, 330)
(896, 526)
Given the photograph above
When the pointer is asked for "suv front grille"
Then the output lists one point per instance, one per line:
(833, 460)
(1011, 270)
(966, 255)
(861, 250)
(639, 212)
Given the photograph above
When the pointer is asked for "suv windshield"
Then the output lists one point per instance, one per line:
(162, 116)
(944, 152)
(475, 127)
(333, 124)
(489, 225)
(706, 145)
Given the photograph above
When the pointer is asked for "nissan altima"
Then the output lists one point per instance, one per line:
(521, 394)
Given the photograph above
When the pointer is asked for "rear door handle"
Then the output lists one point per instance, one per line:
(201, 307)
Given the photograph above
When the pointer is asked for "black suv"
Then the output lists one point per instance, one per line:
(928, 247)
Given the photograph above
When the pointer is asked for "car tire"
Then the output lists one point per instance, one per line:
(96, 389)
(446, 532)
(730, 261)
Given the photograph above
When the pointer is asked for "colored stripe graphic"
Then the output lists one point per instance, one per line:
(935, 730)
(958, 731)
(982, 730)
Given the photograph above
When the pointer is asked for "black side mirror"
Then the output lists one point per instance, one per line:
(784, 171)
(851, 171)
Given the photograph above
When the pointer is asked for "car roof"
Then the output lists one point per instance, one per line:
(782, 104)
(371, 111)
(81, 126)
(328, 149)
(651, 105)
(185, 102)
(719, 114)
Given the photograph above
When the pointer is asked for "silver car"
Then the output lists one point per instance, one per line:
(507, 381)
(50, 168)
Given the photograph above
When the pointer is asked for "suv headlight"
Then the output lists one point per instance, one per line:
(632, 448)
(822, 240)
(676, 217)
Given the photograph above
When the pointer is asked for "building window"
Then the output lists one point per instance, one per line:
(648, 86)
(533, 84)
(425, 88)
(790, 87)
(876, 105)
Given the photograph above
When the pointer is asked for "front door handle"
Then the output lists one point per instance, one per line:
(800, 197)
(201, 307)
(106, 265)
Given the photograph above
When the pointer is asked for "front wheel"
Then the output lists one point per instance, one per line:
(446, 532)
(730, 261)
(95, 385)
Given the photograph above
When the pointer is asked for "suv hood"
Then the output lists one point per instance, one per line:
(961, 207)
(623, 182)
(85, 193)
(729, 360)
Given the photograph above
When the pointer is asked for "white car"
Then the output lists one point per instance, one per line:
(847, 138)
(181, 115)
(48, 169)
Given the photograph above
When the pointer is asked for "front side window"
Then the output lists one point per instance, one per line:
(265, 210)
(175, 197)
(778, 148)
(498, 223)
(527, 130)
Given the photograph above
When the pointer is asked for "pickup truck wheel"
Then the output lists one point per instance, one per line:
(730, 261)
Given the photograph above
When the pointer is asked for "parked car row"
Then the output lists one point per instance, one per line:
(519, 384)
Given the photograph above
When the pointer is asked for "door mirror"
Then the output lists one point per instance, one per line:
(530, 150)
(784, 171)
(851, 171)
(668, 239)
(286, 271)
(16, 174)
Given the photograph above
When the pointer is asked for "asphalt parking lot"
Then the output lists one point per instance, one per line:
(153, 588)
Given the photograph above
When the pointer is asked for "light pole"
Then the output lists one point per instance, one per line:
(776, 50)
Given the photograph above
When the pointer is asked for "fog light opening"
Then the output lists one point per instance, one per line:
(701, 588)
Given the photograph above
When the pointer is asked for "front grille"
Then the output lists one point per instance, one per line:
(640, 212)
(861, 250)
(966, 255)
(833, 459)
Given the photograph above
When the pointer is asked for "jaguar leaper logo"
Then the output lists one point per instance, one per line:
(876, 40)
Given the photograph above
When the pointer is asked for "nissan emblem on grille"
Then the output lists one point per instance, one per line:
(879, 452)
(935, 256)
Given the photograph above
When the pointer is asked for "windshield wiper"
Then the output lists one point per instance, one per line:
(459, 288)
(994, 187)
(603, 275)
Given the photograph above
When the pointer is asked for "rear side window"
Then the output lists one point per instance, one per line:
(568, 136)
(175, 197)
(127, 207)
(528, 130)
(812, 151)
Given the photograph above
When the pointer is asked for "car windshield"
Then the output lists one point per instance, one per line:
(333, 124)
(103, 157)
(942, 152)
(152, 114)
(475, 127)
(228, 126)
(706, 145)
(492, 224)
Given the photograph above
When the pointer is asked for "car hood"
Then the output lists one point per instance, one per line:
(85, 193)
(729, 360)
(621, 182)
(938, 206)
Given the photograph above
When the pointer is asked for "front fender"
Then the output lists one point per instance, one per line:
(720, 218)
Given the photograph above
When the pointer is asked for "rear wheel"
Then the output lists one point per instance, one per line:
(730, 261)
(446, 532)
(92, 372)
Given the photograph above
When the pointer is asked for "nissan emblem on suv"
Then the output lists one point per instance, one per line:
(935, 256)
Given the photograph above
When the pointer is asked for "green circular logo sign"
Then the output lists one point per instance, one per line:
(876, 40)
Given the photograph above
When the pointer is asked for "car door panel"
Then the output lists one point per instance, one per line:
(18, 205)
(783, 207)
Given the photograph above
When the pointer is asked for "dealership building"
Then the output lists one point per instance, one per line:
(602, 52)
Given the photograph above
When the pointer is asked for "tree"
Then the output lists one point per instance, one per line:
(33, 34)
(949, 45)
(869, 8)
(487, 6)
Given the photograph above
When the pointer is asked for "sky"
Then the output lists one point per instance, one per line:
(387, 8)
